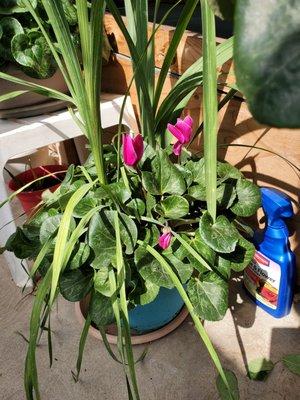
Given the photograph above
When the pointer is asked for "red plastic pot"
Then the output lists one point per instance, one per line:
(31, 198)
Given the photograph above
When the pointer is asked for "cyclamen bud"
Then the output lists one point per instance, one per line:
(133, 149)
(165, 239)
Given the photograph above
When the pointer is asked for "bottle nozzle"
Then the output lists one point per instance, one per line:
(277, 205)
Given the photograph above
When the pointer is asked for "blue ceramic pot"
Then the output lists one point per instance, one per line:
(158, 313)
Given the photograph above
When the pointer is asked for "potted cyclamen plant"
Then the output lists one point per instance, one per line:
(123, 229)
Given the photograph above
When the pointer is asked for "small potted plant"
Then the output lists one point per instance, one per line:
(37, 181)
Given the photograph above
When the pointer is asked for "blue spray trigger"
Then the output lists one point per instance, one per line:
(276, 205)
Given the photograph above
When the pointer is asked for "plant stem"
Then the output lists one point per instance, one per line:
(210, 105)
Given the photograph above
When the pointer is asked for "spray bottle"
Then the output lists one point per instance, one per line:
(270, 277)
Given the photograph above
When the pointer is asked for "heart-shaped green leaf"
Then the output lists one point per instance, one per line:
(84, 206)
(32, 51)
(228, 171)
(259, 369)
(242, 255)
(75, 285)
(10, 27)
(150, 294)
(220, 235)
(101, 234)
(226, 195)
(70, 11)
(292, 362)
(136, 207)
(151, 270)
(101, 310)
(248, 199)
(80, 256)
(233, 385)
(209, 296)
(204, 250)
(267, 70)
(198, 191)
(164, 178)
(101, 282)
(184, 270)
(175, 207)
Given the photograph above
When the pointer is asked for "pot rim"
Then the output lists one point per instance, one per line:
(136, 339)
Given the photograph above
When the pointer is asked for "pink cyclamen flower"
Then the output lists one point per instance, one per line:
(182, 130)
(165, 240)
(133, 149)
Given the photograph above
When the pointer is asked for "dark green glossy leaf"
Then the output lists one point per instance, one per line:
(242, 255)
(151, 270)
(21, 246)
(292, 362)
(84, 206)
(259, 369)
(70, 11)
(101, 282)
(81, 255)
(101, 310)
(209, 296)
(150, 294)
(233, 385)
(198, 191)
(101, 235)
(197, 168)
(183, 269)
(221, 236)
(226, 195)
(119, 191)
(49, 226)
(267, 70)
(152, 235)
(164, 178)
(248, 199)
(75, 285)
(204, 250)
(228, 171)
(10, 27)
(175, 207)
(136, 207)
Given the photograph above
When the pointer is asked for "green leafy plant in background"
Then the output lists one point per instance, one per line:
(260, 368)
(23, 43)
(115, 230)
(266, 68)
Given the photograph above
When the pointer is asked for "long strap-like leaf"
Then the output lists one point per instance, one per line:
(198, 325)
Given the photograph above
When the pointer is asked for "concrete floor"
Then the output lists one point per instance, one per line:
(176, 368)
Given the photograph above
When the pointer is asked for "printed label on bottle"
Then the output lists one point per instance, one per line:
(262, 279)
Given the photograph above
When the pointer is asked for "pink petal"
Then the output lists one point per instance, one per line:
(129, 154)
(185, 129)
(177, 147)
(165, 240)
(189, 120)
(138, 145)
(176, 132)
